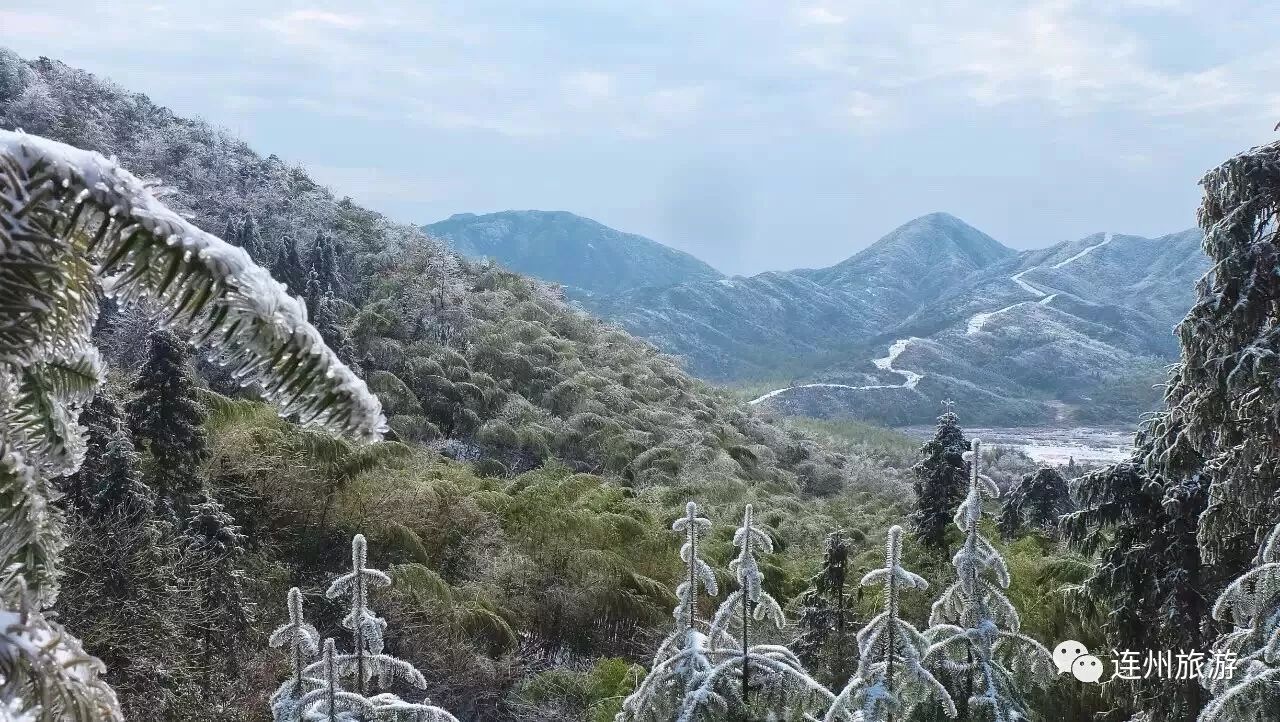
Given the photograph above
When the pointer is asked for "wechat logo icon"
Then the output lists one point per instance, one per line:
(1072, 657)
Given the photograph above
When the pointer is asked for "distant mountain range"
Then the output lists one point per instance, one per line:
(935, 310)
(586, 257)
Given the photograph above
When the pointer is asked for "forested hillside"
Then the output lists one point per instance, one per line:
(544, 445)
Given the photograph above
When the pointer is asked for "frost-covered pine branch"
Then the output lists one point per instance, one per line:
(974, 627)
(302, 642)
(328, 701)
(366, 658)
(771, 673)
(686, 652)
(890, 680)
(70, 220)
(1248, 689)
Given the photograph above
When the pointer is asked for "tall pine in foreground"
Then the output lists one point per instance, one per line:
(751, 679)
(940, 483)
(684, 656)
(974, 629)
(166, 419)
(1221, 397)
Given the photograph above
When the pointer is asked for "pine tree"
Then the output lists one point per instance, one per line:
(974, 627)
(1248, 689)
(323, 262)
(166, 420)
(1220, 421)
(684, 655)
(1149, 576)
(782, 687)
(249, 237)
(213, 544)
(329, 702)
(824, 614)
(1038, 501)
(287, 267)
(890, 681)
(940, 482)
(366, 658)
(329, 323)
(102, 421)
(303, 643)
(119, 489)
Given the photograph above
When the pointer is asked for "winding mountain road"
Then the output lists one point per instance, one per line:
(975, 325)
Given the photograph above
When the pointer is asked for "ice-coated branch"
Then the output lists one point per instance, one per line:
(63, 201)
(1246, 688)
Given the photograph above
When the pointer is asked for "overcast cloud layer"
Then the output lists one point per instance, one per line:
(755, 134)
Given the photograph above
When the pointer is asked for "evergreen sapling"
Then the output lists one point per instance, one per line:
(890, 682)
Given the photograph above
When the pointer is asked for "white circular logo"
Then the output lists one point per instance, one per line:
(1087, 668)
(1066, 653)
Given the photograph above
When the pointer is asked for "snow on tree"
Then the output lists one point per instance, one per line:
(329, 702)
(102, 421)
(890, 681)
(166, 420)
(824, 614)
(70, 219)
(288, 267)
(213, 543)
(1037, 502)
(1148, 580)
(366, 658)
(1248, 690)
(302, 642)
(685, 654)
(249, 237)
(974, 627)
(119, 489)
(1221, 397)
(941, 477)
(782, 687)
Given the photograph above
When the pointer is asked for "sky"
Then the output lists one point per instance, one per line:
(755, 134)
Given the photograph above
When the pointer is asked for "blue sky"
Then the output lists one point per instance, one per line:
(755, 134)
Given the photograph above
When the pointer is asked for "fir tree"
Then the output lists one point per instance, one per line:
(323, 262)
(249, 237)
(824, 614)
(685, 654)
(1220, 421)
(103, 421)
(783, 689)
(890, 681)
(166, 419)
(974, 627)
(1248, 689)
(329, 702)
(366, 658)
(287, 267)
(303, 642)
(119, 490)
(1149, 576)
(940, 482)
(213, 545)
(1038, 501)
(328, 322)
(72, 219)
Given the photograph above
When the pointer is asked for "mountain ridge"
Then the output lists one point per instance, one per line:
(933, 309)
(541, 242)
